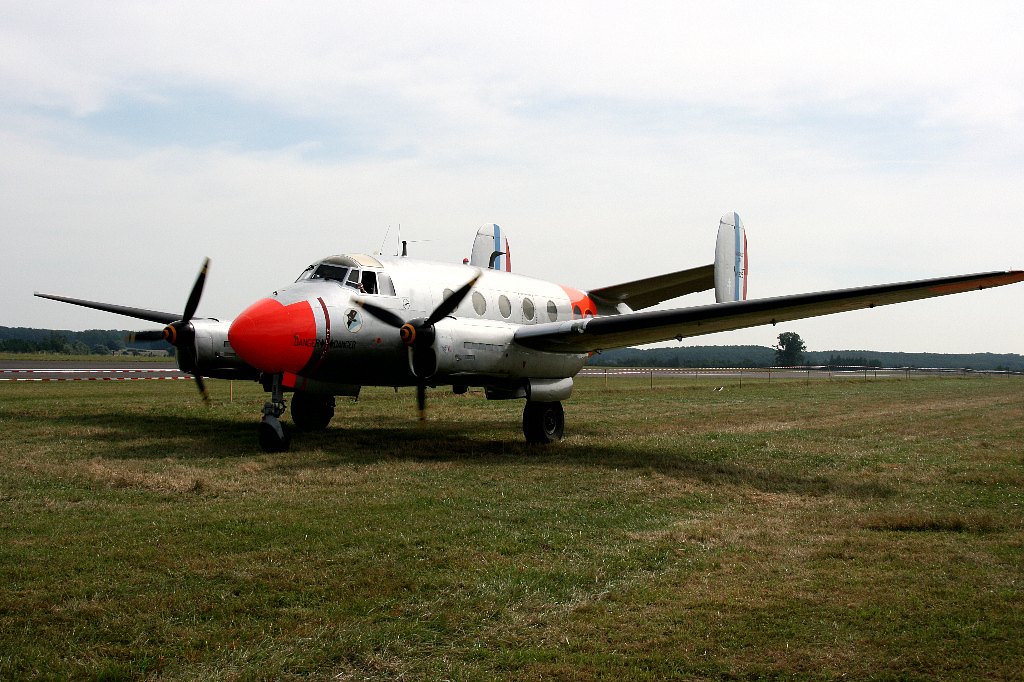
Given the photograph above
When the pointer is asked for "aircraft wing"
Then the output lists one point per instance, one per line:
(620, 331)
(643, 293)
(137, 313)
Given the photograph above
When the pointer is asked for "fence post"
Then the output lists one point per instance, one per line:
(652, 379)
(606, 377)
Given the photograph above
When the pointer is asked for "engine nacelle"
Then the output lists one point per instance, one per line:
(480, 349)
(212, 355)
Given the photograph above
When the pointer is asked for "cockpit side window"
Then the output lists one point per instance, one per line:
(369, 282)
(384, 285)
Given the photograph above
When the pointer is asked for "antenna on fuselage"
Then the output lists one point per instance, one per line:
(383, 241)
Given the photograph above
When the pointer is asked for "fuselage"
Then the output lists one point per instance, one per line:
(316, 329)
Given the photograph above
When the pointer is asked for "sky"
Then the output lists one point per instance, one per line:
(861, 143)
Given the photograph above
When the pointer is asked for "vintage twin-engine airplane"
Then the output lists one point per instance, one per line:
(355, 320)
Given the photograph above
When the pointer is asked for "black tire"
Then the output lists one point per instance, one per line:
(543, 422)
(270, 439)
(311, 411)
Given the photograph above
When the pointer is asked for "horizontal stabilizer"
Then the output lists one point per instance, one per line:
(643, 293)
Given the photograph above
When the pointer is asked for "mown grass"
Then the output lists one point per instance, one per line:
(784, 531)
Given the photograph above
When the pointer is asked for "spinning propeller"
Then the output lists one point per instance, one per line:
(418, 334)
(181, 334)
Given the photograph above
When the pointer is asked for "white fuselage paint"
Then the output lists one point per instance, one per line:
(472, 348)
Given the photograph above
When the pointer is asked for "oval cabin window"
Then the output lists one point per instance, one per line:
(479, 303)
(504, 306)
(528, 310)
(552, 311)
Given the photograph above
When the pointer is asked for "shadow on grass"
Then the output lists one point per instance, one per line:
(129, 435)
(116, 435)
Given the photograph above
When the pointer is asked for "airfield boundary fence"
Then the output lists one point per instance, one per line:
(805, 373)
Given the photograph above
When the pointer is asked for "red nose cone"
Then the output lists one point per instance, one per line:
(273, 337)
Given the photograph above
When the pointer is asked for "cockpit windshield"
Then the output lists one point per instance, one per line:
(364, 280)
(328, 271)
(324, 271)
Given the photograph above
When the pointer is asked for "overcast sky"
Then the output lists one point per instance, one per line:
(861, 143)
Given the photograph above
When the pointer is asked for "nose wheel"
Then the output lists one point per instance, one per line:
(543, 422)
(273, 436)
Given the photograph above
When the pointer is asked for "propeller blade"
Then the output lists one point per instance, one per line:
(421, 403)
(145, 336)
(197, 292)
(449, 305)
(382, 314)
(201, 385)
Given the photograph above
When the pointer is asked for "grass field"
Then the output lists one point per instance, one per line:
(867, 529)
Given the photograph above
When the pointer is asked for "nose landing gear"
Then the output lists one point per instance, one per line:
(273, 436)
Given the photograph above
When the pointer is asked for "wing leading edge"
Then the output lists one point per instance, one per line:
(137, 313)
(620, 331)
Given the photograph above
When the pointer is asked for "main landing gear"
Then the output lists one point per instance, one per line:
(543, 422)
(311, 411)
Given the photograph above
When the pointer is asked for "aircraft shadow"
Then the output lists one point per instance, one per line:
(117, 435)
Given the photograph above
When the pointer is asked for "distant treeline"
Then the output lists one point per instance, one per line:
(89, 342)
(763, 356)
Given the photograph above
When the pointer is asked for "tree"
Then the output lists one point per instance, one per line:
(790, 350)
(18, 346)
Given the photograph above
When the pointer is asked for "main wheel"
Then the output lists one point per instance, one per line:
(543, 422)
(311, 411)
(273, 436)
